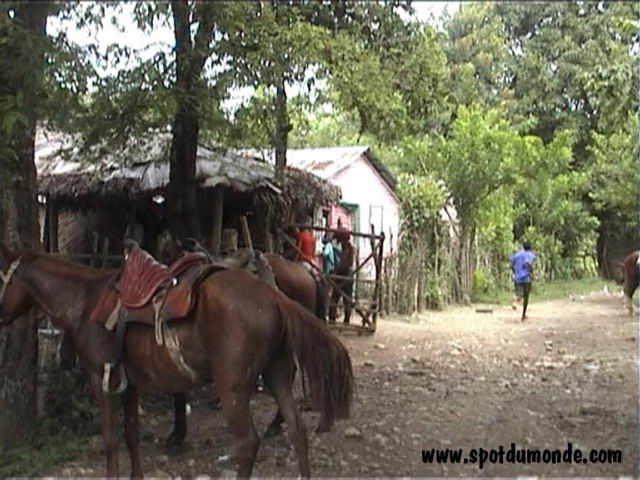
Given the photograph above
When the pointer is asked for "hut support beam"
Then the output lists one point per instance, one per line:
(218, 209)
(246, 234)
(52, 211)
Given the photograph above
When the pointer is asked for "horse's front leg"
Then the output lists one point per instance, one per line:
(130, 406)
(108, 423)
(176, 438)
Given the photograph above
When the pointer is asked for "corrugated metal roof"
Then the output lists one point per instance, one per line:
(326, 162)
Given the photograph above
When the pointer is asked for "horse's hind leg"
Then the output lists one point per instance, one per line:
(278, 380)
(130, 406)
(179, 432)
(107, 423)
(236, 411)
(275, 427)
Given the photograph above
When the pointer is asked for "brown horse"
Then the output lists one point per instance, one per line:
(293, 280)
(631, 273)
(229, 338)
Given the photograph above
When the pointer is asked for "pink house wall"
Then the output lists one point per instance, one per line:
(362, 185)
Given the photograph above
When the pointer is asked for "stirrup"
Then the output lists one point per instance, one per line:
(106, 377)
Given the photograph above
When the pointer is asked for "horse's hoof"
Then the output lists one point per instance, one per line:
(273, 431)
(323, 428)
(174, 445)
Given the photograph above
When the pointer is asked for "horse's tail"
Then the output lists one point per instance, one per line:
(323, 359)
(321, 298)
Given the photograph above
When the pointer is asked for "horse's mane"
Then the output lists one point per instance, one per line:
(65, 267)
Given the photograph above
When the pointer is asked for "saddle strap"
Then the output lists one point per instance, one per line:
(117, 351)
(113, 317)
(157, 303)
(106, 378)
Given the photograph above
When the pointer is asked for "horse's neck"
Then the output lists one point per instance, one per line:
(63, 290)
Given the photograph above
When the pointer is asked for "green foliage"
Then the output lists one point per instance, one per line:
(521, 116)
(422, 200)
(69, 419)
(615, 177)
(46, 453)
(69, 407)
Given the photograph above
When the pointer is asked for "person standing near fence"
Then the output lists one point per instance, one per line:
(307, 246)
(328, 255)
(522, 268)
(345, 285)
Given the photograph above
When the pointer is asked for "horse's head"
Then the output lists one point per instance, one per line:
(166, 248)
(14, 296)
(190, 244)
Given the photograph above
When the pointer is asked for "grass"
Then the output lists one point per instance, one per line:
(549, 290)
(34, 461)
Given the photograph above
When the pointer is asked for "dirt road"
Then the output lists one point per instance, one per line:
(454, 379)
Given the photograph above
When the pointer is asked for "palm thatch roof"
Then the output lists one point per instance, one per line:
(81, 177)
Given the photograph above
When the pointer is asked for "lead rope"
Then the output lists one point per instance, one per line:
(6, 277)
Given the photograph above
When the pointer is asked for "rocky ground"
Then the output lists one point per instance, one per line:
(453, 379)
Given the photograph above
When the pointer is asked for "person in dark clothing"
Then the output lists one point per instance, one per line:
(344, 269)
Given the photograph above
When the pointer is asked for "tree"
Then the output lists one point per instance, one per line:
(22, 65)
(614, 180)
(191, 55)
(272, 48)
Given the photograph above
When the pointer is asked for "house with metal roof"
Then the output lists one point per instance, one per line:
(368, 189)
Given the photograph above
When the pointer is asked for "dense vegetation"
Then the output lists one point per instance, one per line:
(520, 116)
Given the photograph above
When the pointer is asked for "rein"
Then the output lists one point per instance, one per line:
(6, 277)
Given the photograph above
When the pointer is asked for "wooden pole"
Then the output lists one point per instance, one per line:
(377, 292)
(246, 234)
(105, 252)
(94, 249)
(268, 237)
(218, 210)
(52, 207)
(46, 230)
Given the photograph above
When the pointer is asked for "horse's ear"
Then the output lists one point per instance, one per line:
(6, 253)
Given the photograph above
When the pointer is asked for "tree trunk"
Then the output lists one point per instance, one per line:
(464, 265)
(19, 227)
(190, 58)
(181, 192)
(282, 129)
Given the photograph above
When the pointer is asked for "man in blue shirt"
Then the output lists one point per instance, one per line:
(328, 255)
(522, 267)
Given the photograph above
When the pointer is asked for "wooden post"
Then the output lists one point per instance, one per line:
(46, 243)
(52, 210)
(94, 250)
(105, 252)
(218, 210)
(268, 236)
(390, 273)
(246, 234)
(377, 259)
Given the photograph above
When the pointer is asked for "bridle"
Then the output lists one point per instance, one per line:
(6, 277)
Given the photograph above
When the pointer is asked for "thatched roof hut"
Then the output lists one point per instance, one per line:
(116, 177)
(104, 174)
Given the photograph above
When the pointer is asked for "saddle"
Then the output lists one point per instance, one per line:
(152, 293)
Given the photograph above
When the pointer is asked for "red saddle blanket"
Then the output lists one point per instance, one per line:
(142, 275)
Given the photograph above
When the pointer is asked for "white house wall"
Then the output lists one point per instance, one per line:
(362, 185)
